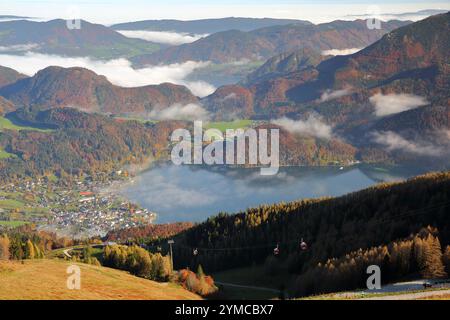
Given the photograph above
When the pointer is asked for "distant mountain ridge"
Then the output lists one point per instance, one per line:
(406, 60)
(8, 76)
(55, 37)
(235, 45)
(203, 26)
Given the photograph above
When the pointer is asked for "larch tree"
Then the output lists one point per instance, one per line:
(29, 250)
(4, 247)
(433, 267)
(446, 259)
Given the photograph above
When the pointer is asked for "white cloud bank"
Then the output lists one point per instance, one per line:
(331, 95)
(313, 126)
(190, 112)
(172, 38)
(393, 141)
(340, 52)
(19, 47)
(395, 103)
(118, 71)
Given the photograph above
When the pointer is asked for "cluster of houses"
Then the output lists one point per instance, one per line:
(78, 209)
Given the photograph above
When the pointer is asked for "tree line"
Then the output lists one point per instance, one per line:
(420, 255)
(137, 261)
(332, 227)
(25, 242)
(154, 266)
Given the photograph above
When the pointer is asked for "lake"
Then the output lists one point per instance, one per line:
(193, 193)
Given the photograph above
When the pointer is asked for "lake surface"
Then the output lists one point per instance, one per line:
(193, 193)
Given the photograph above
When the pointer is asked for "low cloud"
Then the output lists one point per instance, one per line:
(119, 71)
(313, 126)
(190, 112)
(331, 95)
(172, 38)
(19, 47)
(340, 52)
(394, 142)
(395, 103)
(404, 16)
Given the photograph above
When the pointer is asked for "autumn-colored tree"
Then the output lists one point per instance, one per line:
(433, 264)
(446, 259)
(4, 247)
(29, 250)
(200, 273)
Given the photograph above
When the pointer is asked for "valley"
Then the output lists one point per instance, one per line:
(94, 120)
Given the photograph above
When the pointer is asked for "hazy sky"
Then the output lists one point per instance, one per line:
(110, 11)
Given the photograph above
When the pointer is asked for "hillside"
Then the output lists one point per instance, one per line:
(285, 63)
(348, 92)
(83, 89)
(203, 26)
(53, 37)
(235, 45)
(20, 282)
(5, 106)
(8, 76)
(78, 142)
(332, 226)
(406, 60)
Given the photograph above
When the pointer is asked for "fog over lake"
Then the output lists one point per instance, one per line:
(193, 193)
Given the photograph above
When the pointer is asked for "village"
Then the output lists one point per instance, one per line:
(80, 208)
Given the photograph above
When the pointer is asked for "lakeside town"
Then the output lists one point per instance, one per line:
(81, 207)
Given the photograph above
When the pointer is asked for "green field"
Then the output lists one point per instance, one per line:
(11, 204)
(17, 208)
(4, 154)
(12, 224)
(232, 125)
(6, 124)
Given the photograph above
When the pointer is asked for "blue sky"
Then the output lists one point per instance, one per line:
(110, 11)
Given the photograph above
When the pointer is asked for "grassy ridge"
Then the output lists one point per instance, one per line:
(46, 280)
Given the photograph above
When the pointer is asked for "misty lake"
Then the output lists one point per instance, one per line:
(193, 193)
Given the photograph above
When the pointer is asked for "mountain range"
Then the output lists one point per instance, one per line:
(405, 61)
(389, 99)
(54, 37)
(85, 90)
(206, 25)
(260, 44)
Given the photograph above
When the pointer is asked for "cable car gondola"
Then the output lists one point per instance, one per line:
(303, 245)
(276, 251)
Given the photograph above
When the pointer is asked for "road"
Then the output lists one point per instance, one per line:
(66, 251)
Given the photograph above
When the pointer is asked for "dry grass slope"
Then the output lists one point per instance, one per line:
(46, 280)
